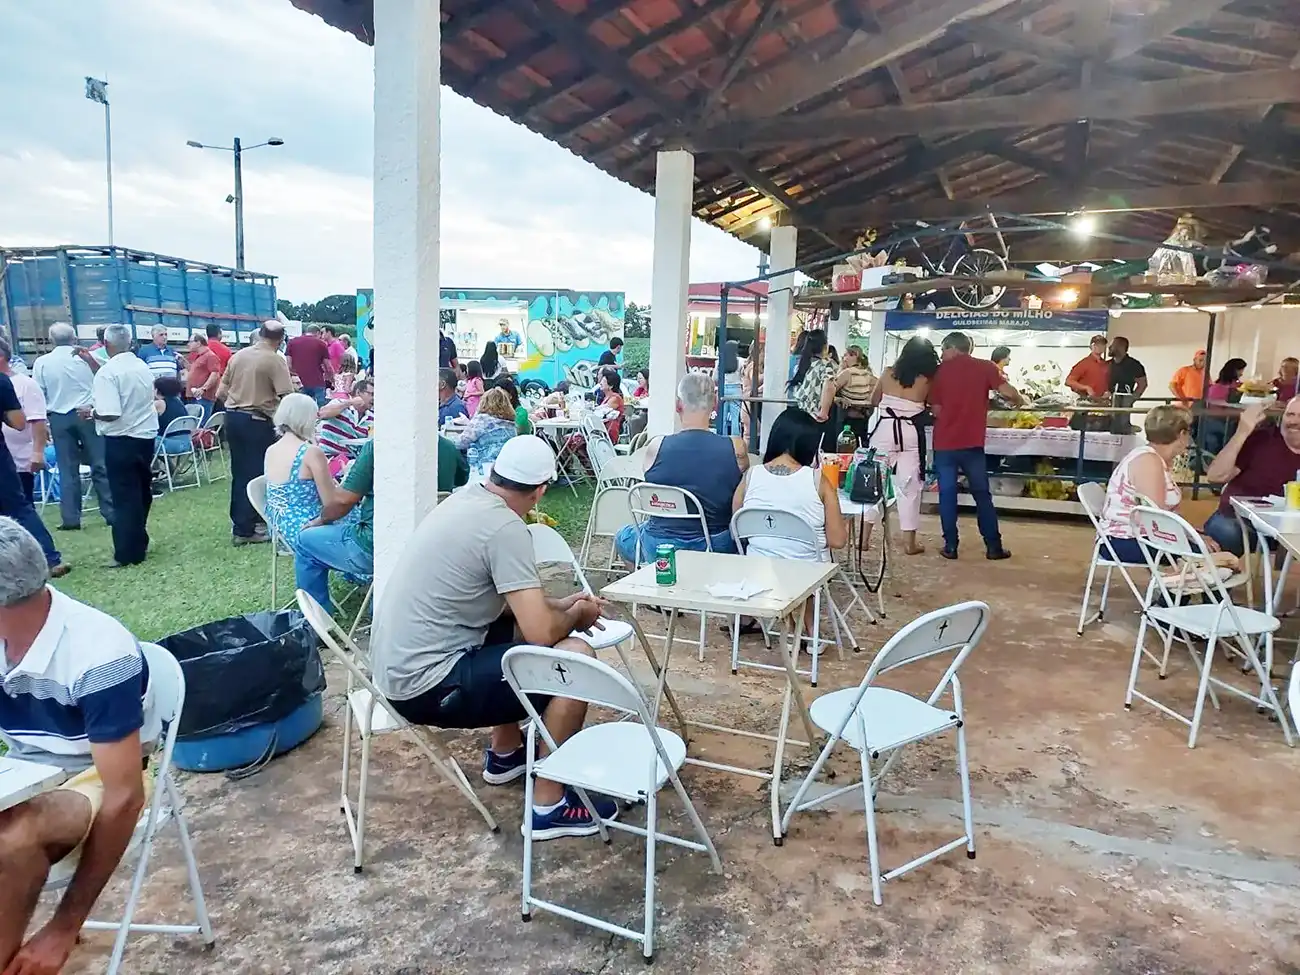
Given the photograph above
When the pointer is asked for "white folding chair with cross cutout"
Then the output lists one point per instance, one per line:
(663, 501)
(629, 760)
(167, 686)
(879, 721)
(1093, 498)
(372, 715)
(610, 511)
(1181, 567)
(756, 522)
(550, 548)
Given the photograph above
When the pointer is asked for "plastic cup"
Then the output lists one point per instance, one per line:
(1293, 496)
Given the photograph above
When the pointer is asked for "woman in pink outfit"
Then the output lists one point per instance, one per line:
(473, 386)
(899, 431)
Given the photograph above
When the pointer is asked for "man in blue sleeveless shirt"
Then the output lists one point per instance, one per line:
(697, 460)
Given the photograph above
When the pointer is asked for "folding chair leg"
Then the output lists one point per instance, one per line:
(347, 753)
(1087, 593)
(1206, 661)
(191, 866)
(525, 909)
(804, 786)
(358, 859)
(1137, 660)
(816, 633)
(869, 805)
(963, 770)
(703, 621)
(735, 644)
(365, 603)
(133, 899)
(1105, 594)
(651, 825)
(274, 557)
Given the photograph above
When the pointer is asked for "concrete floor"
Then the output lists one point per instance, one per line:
(1105, 845)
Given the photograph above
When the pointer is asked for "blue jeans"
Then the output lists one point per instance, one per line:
(971, 462)
(15, 504)
(318, 393)
(731, 410)
(625, 543)
(328, 547)
(1225, 530)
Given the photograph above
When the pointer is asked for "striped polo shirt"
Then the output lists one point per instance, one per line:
(333, 434)
(83, 682)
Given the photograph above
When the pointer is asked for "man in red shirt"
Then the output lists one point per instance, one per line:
(1090, 376)
(1259, 459)
(959, 398)
(217, 347)
(202, 374)
(309, 360)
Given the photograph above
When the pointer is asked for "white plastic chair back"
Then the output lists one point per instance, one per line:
(182, 424)
(167, 687)
(550, 548)
(215, 422)
(593, 428)
(195, 410)
(637, 442)
(257, 496)
(755, 521)
(602, 454)
(611, 510)
(562, 673)
(1175, 553)
(1093, 498)
(664, 501)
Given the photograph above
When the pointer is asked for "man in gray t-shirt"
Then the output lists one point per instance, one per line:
(467, 580)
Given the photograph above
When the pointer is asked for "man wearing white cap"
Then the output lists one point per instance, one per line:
(465, 591)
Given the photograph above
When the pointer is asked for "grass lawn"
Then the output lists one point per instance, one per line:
(193, 574)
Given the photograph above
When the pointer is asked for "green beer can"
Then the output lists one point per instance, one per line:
(666, 565)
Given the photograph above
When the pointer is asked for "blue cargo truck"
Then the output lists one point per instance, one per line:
(93, 286)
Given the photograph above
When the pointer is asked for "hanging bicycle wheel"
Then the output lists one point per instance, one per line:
(978, 263)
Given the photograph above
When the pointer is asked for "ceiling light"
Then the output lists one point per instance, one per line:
(923, 331)
(1083, 224)
(764, 223)
(1068, 297)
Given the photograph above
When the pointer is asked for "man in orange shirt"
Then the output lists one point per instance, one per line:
(1188, 383)
(1091, 374)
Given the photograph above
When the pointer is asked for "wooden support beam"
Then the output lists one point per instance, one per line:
(781, 90)
(772, 191)
(1162, 23)
(1231, 161)
(1202, 93)
(1114, 200)
(737, 56)
(1017, 37)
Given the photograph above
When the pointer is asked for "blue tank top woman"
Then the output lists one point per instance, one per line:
(292, 503)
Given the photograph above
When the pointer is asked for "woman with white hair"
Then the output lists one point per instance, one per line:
(298, 481)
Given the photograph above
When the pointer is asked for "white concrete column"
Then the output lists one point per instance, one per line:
(669, 284)
(406, 187)
(876, 345)
(837, 330)
(780, 305)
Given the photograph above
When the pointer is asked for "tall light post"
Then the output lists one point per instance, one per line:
(238, 199)
(97, 91)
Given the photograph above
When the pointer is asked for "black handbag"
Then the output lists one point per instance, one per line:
(868, 485)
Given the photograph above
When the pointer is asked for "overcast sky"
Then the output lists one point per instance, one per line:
(517, 211)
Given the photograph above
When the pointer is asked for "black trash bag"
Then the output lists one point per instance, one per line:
(245, 671)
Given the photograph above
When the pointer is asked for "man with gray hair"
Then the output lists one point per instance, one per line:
(697, 460)
(76, 694)
(128, 422)
(65, 375)
(160, 357)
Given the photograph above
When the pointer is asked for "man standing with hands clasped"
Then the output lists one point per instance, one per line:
(959, 398)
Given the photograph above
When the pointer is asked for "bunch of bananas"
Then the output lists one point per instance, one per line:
(1025, 421)
(1048, 490)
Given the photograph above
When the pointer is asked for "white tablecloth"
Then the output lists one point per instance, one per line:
(1055, 442)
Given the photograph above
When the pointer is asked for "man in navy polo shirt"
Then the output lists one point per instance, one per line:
(74, 693)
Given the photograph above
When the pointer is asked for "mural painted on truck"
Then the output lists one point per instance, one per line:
(565, 332)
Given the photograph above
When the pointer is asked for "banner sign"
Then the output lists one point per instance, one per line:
(1039, 319)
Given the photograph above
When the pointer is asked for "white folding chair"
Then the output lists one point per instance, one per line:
(550, 548)
(625, 759)
(372, 715)
(756, 522)
(610, 511)
(215, 424)
(257, 497)
(648, 501)
(877, 721)
(1093, 498)
(171, 456)
(1181, 566)
(1293, 696)
(195, 410)
(167, 686)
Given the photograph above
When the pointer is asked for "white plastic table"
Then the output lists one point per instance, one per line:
(789, 585)
(20, 781)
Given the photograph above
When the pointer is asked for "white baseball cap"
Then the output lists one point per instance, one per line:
(526, 460)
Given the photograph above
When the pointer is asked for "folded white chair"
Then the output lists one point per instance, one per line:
(628, 760)
(878, 721)
(167, 681)
(371, 714)
(1182, 566)
(550, 548)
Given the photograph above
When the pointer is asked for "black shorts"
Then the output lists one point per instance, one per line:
(474, 695)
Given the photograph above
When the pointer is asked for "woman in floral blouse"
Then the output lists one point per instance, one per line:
(813, 384)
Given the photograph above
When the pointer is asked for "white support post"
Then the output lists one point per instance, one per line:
(669, 285)
(876, 344)
(837, 330)
(406, 188)
(780, 305)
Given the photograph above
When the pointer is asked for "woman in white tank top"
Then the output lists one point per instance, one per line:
(789, 480)
(1144, 476)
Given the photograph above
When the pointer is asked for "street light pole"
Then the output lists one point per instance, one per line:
(97, 91)
(238, 198)
(239, 207)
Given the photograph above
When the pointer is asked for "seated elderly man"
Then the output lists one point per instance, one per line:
(75, 695)
(450, 405)
(1257, 461)
(465, 591)
(343, 421)
(698, 460)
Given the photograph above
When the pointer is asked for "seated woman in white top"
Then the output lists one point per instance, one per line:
(1144, 477)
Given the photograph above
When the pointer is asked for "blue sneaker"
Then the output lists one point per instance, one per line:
(504, 769)
(571, 818)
